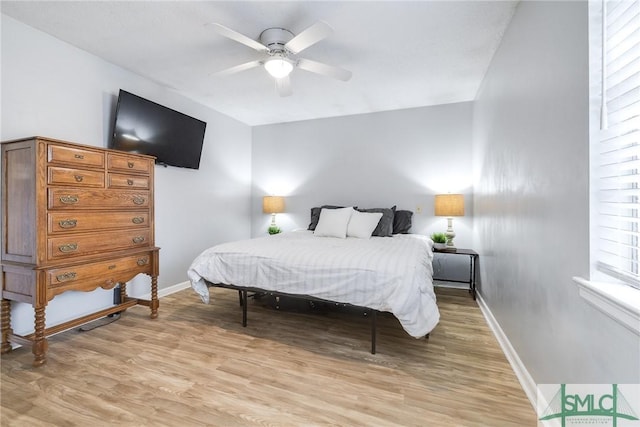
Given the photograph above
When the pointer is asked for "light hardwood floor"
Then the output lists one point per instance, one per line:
(196, 365)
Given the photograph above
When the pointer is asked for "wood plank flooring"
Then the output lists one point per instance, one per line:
(196, 365)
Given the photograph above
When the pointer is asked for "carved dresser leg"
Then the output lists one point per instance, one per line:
(5, 320)
(40, 345)
(154, 297)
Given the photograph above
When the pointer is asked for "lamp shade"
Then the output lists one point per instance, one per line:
(449, 205)
(273, 204)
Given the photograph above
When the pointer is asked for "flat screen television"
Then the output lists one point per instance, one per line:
(144, 127)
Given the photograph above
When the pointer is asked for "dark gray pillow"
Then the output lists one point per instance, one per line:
(385, 226)
(315, 215)
(402, 222)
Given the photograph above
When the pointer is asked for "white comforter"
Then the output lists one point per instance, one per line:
(383, 273)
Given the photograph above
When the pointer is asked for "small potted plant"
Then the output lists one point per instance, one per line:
(439, 240)
(274, 230)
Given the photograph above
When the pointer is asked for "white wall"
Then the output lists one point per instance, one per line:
(531, 154)
(52, 89)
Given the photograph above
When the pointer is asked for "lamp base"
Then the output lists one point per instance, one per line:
(449, 234)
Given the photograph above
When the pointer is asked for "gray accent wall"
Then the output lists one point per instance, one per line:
(531, 200)
(53, 89)
(400, 158)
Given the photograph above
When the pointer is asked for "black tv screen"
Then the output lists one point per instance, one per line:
(144, 127)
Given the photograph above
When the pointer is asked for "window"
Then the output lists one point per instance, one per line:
(614, 94)
(615, 135)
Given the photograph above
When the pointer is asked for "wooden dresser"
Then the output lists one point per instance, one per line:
(74, 217)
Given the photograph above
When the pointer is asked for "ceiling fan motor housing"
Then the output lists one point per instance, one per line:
(275, 39)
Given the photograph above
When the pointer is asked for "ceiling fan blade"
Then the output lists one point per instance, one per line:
(283, 86)
(237, 68)
(311, 35)
(324, 69)
(240, 38)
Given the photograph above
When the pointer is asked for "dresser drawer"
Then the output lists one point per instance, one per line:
(118, 162)
(64, 222)
(117, 180)
(76, 198)
(76, 177)
(85, 244)
(107, 271)
(75, 155)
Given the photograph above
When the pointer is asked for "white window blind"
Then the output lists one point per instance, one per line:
(617, 148)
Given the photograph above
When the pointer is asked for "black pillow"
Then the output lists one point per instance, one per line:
(385, 226)
(402, 222)
(315, 215)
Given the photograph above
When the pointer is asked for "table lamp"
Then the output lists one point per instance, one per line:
(449, 205)
(273, 205)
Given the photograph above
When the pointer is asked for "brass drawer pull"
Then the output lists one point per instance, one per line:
(68, 223)
(78, 178)
(143, 261)
(129, 182)
(66, 276)
(79, 156)
(69, 200)
(130, 164)
(69, 247)
(138, 239)
(137, 220)
(138, 200)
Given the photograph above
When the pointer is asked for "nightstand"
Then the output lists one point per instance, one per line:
(473, 259)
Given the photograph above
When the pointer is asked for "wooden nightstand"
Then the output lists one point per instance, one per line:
(473, 259)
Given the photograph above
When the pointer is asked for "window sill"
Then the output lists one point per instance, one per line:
(620, 302)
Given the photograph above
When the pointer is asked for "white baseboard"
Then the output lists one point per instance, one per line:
(166, 291)
(173, 289)
(451, 285)
(526, 381)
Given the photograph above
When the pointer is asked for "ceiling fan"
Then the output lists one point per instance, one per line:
(280, 47)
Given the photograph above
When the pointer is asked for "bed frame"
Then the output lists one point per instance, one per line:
(243, 291)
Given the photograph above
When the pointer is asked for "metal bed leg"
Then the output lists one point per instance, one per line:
(373, 331)
(240, 297)
(244, 307)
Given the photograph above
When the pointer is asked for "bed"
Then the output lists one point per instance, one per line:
(390, 274)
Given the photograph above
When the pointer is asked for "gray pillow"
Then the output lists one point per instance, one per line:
(385, 226)
(402, 222)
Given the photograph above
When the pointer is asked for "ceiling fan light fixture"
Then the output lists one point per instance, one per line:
(278, 67)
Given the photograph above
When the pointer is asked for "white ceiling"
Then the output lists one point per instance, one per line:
(403, 54)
